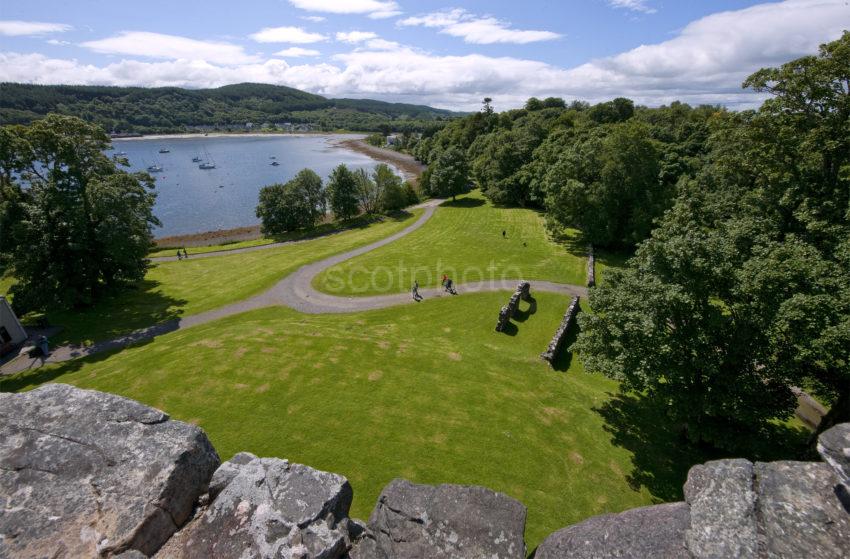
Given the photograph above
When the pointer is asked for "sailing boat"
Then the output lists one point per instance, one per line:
(196, 159)
(155, 168)
(164, 150)
(209, 163)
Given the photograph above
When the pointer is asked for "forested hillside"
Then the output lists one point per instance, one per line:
(171, 109)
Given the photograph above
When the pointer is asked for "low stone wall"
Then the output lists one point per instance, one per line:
(591, 267)
(522, 293)
(89, 474)
(557, 343)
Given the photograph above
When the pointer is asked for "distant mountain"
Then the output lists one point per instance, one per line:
(172, 109)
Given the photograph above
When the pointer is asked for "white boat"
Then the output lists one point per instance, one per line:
(154, 168)
(207, 165)
(164, 150)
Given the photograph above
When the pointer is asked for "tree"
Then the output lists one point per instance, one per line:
(80, 226)
(368, 191)
(298, 204)
(388, 186)
(533, 104)
(450, 173)
(741, 293)
(342, 193)
(487, 106)
(608, 186)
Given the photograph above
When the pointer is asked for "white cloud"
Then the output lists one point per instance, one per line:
(57, 42)
(355, 36)
(633, 5)
(480, 30)
(705, 63)
(314, 19)
(376, 9)
(295, 35)
(384, 14)
(158, 45)
(14, 28)
(296, 52)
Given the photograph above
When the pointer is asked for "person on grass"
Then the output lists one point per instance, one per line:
(416, 296)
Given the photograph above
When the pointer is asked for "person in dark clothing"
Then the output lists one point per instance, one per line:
(504, 234)
(179, 255)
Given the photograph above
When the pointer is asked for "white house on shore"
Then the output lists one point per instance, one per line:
(11, 331)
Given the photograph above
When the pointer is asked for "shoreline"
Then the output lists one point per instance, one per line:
(406, 164)
(410, 168)
(196, 135)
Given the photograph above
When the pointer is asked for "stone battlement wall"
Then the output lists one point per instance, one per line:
(89, 474)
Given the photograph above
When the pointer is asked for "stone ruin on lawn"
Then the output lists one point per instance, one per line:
(523, 292)
(557, 344)
(89, 474)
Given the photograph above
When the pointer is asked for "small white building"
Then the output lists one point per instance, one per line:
(11, 331)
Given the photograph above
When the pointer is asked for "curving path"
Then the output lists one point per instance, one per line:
(295, 291)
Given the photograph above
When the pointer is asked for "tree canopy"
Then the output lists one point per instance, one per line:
(298, 204)
(73, 224)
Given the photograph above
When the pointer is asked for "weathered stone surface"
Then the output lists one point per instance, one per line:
(364, 542)
(84, 473)
(799, 514)
(834, 448)
(722, 501)
(557, 343)
(657, 532)
(523, 292)
(591, 267)
(268, 508)
(447, 521)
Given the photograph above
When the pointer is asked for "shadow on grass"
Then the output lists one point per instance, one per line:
(463, 203)
(661, 456)
(564, 360)
(27, 380)
(523, 315)
(140, 306)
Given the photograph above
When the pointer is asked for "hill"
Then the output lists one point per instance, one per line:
(173, 109)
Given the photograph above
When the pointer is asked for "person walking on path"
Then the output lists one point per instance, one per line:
(179, 256)
(185, 254)
(444, 280)
(416, 296)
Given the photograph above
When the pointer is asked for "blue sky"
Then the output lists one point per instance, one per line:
(447, 54)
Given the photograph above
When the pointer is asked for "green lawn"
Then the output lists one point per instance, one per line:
(463, 240)
(182, 288)
(428, 392)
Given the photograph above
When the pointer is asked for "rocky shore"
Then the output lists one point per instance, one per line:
(90, 474)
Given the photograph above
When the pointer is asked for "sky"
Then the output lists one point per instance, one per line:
(444, 54)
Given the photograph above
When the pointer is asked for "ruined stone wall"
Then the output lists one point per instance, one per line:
(89, 474)
(591, 267)
(557, 343)
(522, 293)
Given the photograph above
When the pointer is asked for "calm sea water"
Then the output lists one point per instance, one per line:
(193, 200)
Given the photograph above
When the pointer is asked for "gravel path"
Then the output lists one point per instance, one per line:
(295, 291)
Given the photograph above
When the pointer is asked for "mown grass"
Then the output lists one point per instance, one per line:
(181, 288)
(428, 392)
(464, 240)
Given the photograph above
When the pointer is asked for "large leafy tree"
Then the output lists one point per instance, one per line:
(298, 204)
(741, 293)
(608, 185)
(449, 174)
(78, 225)
(343, 193)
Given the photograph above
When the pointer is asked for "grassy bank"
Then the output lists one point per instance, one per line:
(464, 240)
(174, 289)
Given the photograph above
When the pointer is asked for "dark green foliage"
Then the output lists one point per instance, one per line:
(449, 174)
(608, 185)
(79, 226)
(618, 110)
(377, 139)
(343, 193)
(171, 109)
(742, 291)
(390, 195)
(410, 195)
(298, 204)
